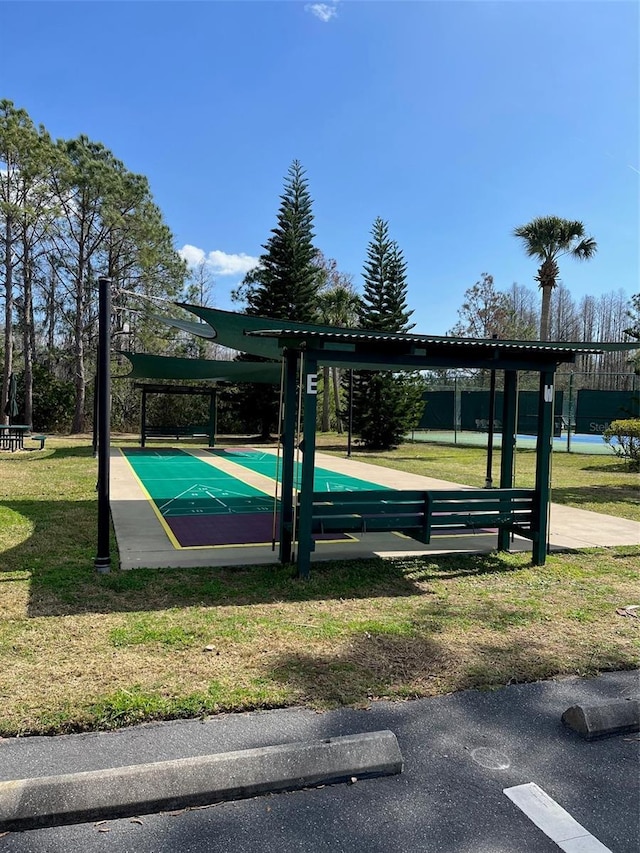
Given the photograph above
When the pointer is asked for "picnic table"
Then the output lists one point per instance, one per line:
(12, 436)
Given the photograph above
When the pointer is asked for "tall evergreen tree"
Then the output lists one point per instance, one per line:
(386, 405)
(17, 135)
(284, 285)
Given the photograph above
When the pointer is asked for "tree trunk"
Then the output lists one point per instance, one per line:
(325, 397)
(50, 317)
(545, 312)
(78, 344)
(8, 320)
(336, 395)
(27, 330)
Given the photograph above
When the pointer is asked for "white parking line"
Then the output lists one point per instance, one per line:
(553, 820)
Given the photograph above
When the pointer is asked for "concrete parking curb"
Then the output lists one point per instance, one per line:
(607, 718)
(145, 788)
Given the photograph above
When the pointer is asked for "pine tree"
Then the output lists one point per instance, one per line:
(284, 285)
(386, 406)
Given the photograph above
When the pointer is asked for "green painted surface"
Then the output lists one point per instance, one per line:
(181, 484)
(266, 463)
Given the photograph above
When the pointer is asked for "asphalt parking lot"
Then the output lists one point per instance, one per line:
(460, 752)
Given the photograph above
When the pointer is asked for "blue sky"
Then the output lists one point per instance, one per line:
(455, 121)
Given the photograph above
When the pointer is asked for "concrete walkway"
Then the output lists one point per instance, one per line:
(142, 542)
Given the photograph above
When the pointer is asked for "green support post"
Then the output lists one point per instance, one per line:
(143, 419)
(509, 429)
(305, 537)
(544, 449)
(288, 453)
(213, 417)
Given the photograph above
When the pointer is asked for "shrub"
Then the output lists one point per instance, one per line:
(627, 432)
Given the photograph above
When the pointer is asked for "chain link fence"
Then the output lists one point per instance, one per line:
(460, 412)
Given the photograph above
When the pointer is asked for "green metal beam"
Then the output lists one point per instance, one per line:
(213, 418)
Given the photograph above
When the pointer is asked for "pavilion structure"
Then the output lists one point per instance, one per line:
(296, 352)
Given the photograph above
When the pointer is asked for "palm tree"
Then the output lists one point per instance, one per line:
(549, 238)
(338, 305)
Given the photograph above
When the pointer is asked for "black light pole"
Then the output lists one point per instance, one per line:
(488, 483)
(96, 385)
(102, 561)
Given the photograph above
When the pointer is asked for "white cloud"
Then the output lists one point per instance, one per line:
(223, 264)
(220, 263)
(324, 11)
(191, 254)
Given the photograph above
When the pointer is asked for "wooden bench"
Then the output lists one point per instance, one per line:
(40, 438)
(419, 513)
(177, 432)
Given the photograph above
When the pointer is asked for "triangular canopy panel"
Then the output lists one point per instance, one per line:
(167, 367)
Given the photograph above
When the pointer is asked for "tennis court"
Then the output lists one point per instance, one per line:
(576, 443)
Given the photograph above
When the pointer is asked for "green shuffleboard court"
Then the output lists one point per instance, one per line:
(266, 464)
(201, 506)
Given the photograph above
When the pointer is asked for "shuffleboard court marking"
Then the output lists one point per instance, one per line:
(556, 823)
(170, 534)
(231, 467)
(172, 457)
(196, 492)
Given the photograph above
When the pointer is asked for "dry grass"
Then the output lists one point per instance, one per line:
(81, 651)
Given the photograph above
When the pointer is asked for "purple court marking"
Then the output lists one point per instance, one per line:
(230, 529)
(247, 528)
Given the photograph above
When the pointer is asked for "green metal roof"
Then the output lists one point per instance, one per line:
(365, 335)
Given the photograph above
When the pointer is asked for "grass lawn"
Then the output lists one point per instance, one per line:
(82, 651)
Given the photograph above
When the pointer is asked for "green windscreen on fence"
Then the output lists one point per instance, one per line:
(528, 413)
(439, 410)
(474, 412)
(596, 409)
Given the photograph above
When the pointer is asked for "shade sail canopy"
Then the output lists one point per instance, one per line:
(369, 349)
(231, 329)
(167, 367)
(200, 330)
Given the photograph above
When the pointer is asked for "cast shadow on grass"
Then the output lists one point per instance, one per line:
(361, 454)
(383, 665)
(58, 550)
(619, 467)
(81, 590)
